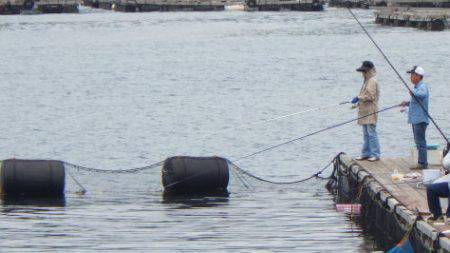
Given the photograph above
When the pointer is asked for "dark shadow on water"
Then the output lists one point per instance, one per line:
(14, 204)
(189, 200)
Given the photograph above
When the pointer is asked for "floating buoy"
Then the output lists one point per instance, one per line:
(32, 177)
(184, 174)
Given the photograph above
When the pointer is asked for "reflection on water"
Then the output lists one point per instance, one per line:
(196, 200)
(55, 201)
(18, 205)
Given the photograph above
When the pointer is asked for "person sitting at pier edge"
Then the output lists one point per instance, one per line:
(417, 117)
(441, 189)
(367, 102)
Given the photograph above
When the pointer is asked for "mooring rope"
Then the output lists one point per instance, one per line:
(311, 134)
(123, 171)
(399, 76)
(240, 178)
(83, 190)
(315, 175)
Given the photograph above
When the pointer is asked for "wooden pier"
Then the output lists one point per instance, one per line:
(432, 21)
(281, 5)
(390, 209)
(12, 7)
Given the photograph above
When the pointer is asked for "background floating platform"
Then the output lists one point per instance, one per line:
(280, 5)
(101, 4)
(422, 20)
(352, 3)
(422, 3)
(90, 3)
(12, 7)
(163, 5)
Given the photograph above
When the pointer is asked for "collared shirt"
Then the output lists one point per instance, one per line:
(416, 114)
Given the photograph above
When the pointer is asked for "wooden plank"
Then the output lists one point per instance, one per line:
(406, 194)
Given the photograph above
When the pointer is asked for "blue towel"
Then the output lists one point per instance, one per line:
(402, 247)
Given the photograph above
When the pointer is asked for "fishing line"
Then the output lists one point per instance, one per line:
(297, 113)
(399, 76)
(313, 133)
(278, 118)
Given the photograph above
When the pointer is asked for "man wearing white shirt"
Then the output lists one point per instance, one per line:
(446, 160)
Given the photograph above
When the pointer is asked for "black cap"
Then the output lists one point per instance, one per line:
(366, 65)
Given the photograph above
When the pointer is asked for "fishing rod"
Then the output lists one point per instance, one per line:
(313, 133)
(297, 113)
(399, 76)
(280, 117)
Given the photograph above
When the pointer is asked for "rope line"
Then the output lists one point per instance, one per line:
(399, 76)
(124, 171)
(238, 175)
(316, 175)
(313, 133)
(83, 190)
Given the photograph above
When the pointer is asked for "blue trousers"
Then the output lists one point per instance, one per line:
(421, 142)
(371, 146)
(434, 191)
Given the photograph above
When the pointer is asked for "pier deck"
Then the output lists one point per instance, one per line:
(406, 193)
(390, 208)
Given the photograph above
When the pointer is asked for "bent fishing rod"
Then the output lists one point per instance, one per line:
(278, 117)
(313, 133)
(399, 76)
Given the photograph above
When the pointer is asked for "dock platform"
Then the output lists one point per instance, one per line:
(389, 209)
(15, 7)
(432, 21)
(363, 4)
(165, 5)
(283, 5)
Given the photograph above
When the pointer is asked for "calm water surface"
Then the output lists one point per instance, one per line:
(115, 90)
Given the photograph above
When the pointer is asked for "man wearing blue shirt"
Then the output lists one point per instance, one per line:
(417, 115)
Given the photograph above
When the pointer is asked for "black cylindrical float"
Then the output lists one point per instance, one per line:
(184, 174)
(32, 177)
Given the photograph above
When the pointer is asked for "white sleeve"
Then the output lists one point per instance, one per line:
(446, 161)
